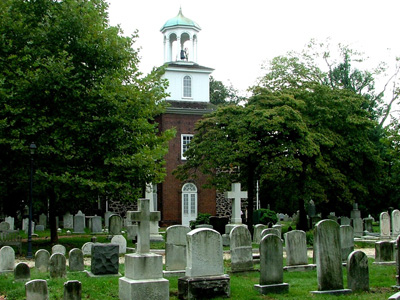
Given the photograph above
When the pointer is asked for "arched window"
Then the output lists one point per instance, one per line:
(187, 86)
(189, 203)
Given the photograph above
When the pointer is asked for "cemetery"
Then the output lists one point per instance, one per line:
(118, 206)
(194, 264)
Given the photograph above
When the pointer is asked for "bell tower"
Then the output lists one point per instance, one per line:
(188, 81)
(180, 39)
(189, 100)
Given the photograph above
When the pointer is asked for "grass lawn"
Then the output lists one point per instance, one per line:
(300, 283)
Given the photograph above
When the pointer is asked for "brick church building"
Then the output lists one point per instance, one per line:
(189, 99)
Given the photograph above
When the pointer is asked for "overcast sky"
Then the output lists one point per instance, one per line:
(237, 37)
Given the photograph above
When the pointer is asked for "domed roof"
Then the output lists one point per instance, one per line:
(180, 20)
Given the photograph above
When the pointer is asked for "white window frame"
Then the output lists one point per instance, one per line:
(184, 87)
(185, 144)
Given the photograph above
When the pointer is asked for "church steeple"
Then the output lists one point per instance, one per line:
(180, 39)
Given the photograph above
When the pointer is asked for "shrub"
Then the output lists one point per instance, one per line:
(201, 219)
(267, 216)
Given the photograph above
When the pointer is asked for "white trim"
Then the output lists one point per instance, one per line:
(191, 87)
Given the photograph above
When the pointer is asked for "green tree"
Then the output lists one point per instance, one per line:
(338, 67)
(221, 94)
(70, 83)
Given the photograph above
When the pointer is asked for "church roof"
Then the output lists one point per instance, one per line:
(180, 20)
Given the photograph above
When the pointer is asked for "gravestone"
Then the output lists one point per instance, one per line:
(25, 226)
(107, 216)
(131, 232)
(205, 276)
(143, 270)
(368, 224)
(10, 220)
(4, 226)
(22, 272)
(120, 241)
(57, 265)
(397, 254)
(72, 290)
(42, 260)
(7, 259)
(296, 250)
(43, 220)
(175, 250)
(384, 253)
(36, 290)
(271, 266)
(39, 228)
(75, 260)
(79, 223)
(115, 225)
(384, 224)
(257, 233)
(241, 249)
(279, 228)
(357, 272)
(68, 221)
(236, 194)
(151, 194)
(328, 256)
(346, 241)
(58, 249)
(96, 226)
(358, 227)
(270, 231)
(345, 221)
(87, 249)
(395, 223)
(105, 260)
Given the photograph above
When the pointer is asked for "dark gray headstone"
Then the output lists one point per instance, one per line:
(72, 290)
(22, 271)
(76, 260)
(384, 251)
(357, 271)
(105, 259)
(115, 225)
(57, 266)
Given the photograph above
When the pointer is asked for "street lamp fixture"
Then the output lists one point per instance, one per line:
(32, 149)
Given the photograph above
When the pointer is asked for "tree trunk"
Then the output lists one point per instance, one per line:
(250, 199)
(302, 225)
(52, 217)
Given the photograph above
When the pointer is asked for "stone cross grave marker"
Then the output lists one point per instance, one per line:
(236, 194)
(143, 216)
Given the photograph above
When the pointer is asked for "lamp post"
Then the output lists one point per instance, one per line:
(32, 149)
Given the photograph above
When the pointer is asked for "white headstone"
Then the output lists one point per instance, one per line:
(58, 249)
(395, 223)
(42, 260)
(7, 259)
(68, 220)
(241, 249)
(36, 290)
(120, 241)
(236, 194)
(204, 253)
(10, 220)
(258, 229)
(87, 249)
(384, 223)
(296, 248)
(143, 216)
(175, 247)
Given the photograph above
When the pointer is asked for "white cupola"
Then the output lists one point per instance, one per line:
(180, 39)
(188, 81)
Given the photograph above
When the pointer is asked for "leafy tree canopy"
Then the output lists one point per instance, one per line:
(221, 94)
(69, 82)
